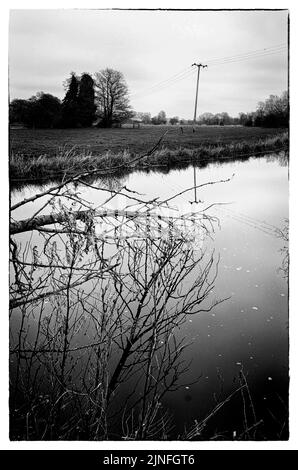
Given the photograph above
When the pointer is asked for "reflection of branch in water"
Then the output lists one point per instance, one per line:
(251, 423)
(93, 317)
(86, 174)
(283, 233)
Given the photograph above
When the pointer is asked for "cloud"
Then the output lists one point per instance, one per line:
(149, 47)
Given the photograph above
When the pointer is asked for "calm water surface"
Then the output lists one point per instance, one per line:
(250, 329)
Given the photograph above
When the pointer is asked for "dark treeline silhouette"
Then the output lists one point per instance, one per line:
(273, 112)
(102, 101)
(44, 110)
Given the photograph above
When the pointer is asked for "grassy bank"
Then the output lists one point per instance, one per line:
(74, 160)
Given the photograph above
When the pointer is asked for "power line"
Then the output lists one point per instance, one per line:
(172, 77)
(278, 46)
(165, 83)
(257, 56)
(187, 72)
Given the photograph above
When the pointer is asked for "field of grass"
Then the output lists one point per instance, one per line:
(48, 153)
(36, 142)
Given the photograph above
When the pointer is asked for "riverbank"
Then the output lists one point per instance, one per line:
(69, 161)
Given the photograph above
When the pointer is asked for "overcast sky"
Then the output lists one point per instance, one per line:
(245, 52)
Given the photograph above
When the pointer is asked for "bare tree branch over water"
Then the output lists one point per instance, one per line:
(98, 300)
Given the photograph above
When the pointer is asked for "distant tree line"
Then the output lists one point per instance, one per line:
(219, 119)
(273, 112)
(206, 118)
(146, 118)
(103, 101)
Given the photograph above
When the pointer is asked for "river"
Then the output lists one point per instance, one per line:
(247, 332)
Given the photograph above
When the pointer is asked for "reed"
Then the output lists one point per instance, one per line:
(68, 162)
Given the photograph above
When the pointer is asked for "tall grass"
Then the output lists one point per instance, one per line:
(70, 161)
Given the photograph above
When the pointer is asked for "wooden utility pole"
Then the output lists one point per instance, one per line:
(197, 89)
(194, 122)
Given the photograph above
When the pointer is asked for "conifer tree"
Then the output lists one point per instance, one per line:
(70, 103)
(86, 105)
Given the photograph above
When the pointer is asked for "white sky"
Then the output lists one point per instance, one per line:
(149, 47)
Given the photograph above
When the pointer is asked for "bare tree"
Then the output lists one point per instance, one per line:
(112, 97)
(97, 300)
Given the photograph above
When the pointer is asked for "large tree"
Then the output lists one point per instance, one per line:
(41, 111)
(70, 103)
(112, 97)
(86, 105)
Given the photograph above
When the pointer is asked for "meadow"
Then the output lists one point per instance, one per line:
(48, 153)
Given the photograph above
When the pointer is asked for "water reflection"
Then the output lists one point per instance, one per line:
(95, 319)
(82, 349)
(174, 164)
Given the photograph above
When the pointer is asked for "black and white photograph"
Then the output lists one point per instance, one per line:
(148, 225)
